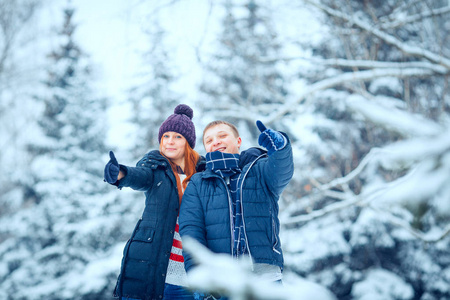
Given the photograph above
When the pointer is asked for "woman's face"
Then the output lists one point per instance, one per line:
(173, 145)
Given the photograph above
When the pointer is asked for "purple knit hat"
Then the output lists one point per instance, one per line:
(181, 123)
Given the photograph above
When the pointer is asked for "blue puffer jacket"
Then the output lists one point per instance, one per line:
(146, 254)
(206, 207)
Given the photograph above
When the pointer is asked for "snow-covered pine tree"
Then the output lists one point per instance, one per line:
(17, 84)
(240, 83)
(379, 227)
(153, 98)
(55, 246)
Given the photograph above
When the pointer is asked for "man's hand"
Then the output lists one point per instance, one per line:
(112, 169)
(270, 139)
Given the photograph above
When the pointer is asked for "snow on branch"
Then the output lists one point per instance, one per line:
(344, 78)
(222, 274)
(364, 64)
(393, 119)
(417, 17)
(408, 49)
(242, 114)
(335, 207)
(404, 6)
(432, 237)
(368, 64)
(427, 160)
(362, 200)
(374, 152)
(404, 154)
(365, 201)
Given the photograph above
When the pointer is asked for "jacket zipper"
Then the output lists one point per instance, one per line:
(273, 234)
(242, 208)
(230, 209)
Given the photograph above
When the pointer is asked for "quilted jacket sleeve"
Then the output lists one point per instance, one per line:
(139, 178)
(278, 169)
(191, 219)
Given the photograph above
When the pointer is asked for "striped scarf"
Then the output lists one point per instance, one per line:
(227, 166)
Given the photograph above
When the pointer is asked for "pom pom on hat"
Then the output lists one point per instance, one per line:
(181, 123)
(183, 109)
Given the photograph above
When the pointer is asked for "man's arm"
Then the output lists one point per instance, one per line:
(192, 220)
(279, 168)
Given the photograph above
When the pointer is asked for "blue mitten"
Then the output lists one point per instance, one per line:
(112, 169)
(270, 139)
(199, 296)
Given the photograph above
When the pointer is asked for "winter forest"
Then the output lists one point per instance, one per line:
(362, 88)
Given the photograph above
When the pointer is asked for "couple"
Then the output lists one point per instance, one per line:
(230, 205)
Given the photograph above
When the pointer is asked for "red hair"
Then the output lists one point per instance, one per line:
(191, 158)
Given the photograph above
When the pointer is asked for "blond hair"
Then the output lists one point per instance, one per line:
(219, 122)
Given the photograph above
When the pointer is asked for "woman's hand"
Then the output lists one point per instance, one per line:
(112, 170)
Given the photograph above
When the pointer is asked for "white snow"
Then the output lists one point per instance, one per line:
(39, 240)
(220, 273)
(381, 284)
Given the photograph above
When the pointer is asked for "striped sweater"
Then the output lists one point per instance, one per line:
(176, 274)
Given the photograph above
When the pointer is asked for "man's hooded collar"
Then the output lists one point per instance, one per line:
(250, 155)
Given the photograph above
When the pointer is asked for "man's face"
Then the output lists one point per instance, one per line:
(221, 138)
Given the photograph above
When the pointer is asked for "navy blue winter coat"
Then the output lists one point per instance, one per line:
(206, 206)
(146, 254)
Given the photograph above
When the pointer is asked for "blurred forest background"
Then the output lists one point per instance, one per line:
(361, 88)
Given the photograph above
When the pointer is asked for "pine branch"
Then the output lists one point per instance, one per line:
(364, 64)
(203, 36)
(361, 199)
(393, 119)
(404, 6)
(417, 17)
(335, 207)
(367, 64)
(348, 201)
(428, 238)
(350, 176)
(235, 112)
(407, 49)
(366, 200)
(344, 78)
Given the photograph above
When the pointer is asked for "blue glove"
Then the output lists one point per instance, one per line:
(199, 296)
(112, 169)
(270, 139)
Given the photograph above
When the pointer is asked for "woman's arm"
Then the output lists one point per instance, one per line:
(138, 178)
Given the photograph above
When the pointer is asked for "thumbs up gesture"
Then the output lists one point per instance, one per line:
(112, 169)
(270, 139)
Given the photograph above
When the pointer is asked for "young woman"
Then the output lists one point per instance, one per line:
(152, 263)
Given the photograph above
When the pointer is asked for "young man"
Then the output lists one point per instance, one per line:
(232, 207)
